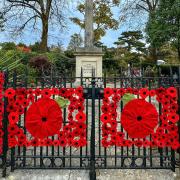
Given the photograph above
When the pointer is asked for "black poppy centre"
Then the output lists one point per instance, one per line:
(44, 119)
(139, 118)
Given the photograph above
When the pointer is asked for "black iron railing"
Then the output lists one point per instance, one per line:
(93, 156)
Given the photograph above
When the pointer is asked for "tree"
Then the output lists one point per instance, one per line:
(130, 46)
(33, 12)
(164, 25)
(137, 13)
(103, 17)
(8, 46)
(75, 41)
(2, 21)
(131, 40)
(131, 9)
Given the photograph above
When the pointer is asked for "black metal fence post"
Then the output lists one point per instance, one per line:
(92, 173)
(5, 124)
(13, 149)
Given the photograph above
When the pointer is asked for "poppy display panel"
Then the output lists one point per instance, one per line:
(149, 119)
(1, 112)
(34, 117)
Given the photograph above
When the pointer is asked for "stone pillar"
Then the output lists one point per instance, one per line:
(89, 57)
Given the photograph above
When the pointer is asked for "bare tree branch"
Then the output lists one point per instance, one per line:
(46, 12)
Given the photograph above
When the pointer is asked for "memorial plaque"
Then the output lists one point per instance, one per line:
(87, 67)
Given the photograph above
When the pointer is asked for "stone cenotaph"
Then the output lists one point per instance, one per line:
(89, 57)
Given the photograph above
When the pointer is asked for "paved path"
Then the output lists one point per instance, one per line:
(101, 175)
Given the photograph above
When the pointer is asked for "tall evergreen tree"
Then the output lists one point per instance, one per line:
(164, 25)
(130, 46)
(131, 40)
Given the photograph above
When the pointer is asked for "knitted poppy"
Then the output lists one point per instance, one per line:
(37, 92)
(135, 91)
(174, 107)
(81, 126)
(107, 92)
(138, 143)
(66, 128)
(21, 143)
(105, 118)
(144, 92)
(20, 110)
(116, 98)
(173, 117)
(48, 142)
(46, 93)
(76, 143)
(13, 117)
(20, 98)
(105, 143)
(44, 118)
(161, 144)
(41, 142)
(35, 142)
(76, 132)
(30, 91)
(10, 93)
(79, 91)
(56, 143)
(172, 91)
(120, 134)
(55, 91)
(62, 92)
(11, 108)
(12, 143)
(80, 117)
(21, 137)
(175, 145)
(129, 90)
(152, 92)
(146, 143)
(106, 101)
(160, 91)
(139, 118)
(82, 142)
(12, 129)
(21, 91)
(105, 108)
(79, 107)
(31, 98)
(62, 142)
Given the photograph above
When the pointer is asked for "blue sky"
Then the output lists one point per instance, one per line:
(56, 36)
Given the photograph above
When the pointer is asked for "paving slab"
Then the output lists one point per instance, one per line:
(84, 175)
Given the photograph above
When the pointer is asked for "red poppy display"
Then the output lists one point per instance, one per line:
(139, 118)
(1, 111)
(44, 118)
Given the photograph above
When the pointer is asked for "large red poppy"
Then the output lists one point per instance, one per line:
(44, 118)
(139, 118)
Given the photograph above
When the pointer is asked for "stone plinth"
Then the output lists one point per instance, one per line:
(89, 58)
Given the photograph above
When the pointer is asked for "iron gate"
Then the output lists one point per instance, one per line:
(93, 155)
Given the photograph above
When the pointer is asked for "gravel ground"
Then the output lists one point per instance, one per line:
(101, 175)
